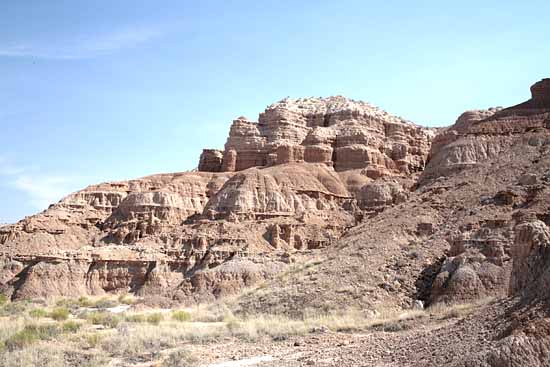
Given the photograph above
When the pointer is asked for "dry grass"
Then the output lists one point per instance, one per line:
(94, 338)
(179, 358)
(126, 299)
(140, 342)
(446, 311)
(35, 355)
(106, 319)
(181, 315)
(10, 326)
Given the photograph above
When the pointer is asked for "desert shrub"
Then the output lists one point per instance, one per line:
(103, 318)
(69, 303)
(21, 339)
(155, 318)
(38, 313)
(59, 314)
(85, 302)
(30, 334)
(180, 358)
(71, 327)
(105, 302)
(13, 309)
(93, 340)
(181, 316)
(232, 325)
(395, 326)
(125, 299)
(135, 318)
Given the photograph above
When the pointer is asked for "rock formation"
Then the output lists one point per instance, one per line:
(295, 181)
(331, 178)
(335, 131)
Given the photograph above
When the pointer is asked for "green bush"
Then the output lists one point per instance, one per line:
(30, 334)
(181, 316)
(21, 339)
(38, 313)
(85, 302)
(155, 318)
(3, 299)
(103, 318)
(93, 340)
(71, 327)
(59, 314)
(135, 318)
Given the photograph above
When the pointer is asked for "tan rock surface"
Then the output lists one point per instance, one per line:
(336, 131)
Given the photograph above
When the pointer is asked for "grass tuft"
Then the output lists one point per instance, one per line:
(181, 316)
(103, 318)
(135, 318)
(155, 318)
(59, 314)
(38, 313)
(126, 299)
(71, 327)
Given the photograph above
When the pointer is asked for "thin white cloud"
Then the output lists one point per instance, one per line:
(40, 190)
(84, 46)
(8, 169)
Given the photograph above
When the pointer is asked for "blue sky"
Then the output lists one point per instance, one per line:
(95, 91)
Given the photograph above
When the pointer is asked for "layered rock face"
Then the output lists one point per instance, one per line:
(531, 270)
(182, 236)
(479, 136)
(335, 131)
(504, 151)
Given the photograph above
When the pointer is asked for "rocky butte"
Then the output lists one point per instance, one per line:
(376, 209)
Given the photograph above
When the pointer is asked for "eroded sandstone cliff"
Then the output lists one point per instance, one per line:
(335, 131)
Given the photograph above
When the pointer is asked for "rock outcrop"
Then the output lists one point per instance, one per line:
(531, 252)
(478, 136)
(335, 131)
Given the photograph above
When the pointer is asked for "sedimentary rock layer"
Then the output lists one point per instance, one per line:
(335, 131)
